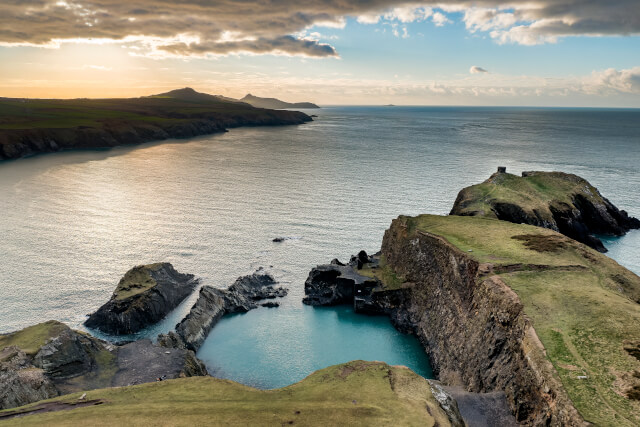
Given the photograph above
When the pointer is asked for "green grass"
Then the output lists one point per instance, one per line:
(535, 192)
(32, 338)
(356, 393)
(136, 281)
(583, 315)
(384, 273)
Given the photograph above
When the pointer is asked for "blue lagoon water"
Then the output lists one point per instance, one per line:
(73, 223)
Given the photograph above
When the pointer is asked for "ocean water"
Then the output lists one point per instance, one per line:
(73, 223)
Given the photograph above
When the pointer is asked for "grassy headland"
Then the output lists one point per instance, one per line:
(355, 393)
(583, 306)
(30, 126)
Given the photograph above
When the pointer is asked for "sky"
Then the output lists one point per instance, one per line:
(369, 52)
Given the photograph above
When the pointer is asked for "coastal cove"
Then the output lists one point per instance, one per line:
(303, 183)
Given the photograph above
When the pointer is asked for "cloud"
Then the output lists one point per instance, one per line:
(477, 70)
(198, 27)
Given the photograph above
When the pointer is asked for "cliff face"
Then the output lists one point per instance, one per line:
(474, 328)
(512, 308)
(145, 295)
(561, 202)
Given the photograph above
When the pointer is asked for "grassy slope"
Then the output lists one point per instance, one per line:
(175, 106)
(531, 192)
(32, 338)
(390, 280)
(582, 316)
(355, 393)
(136, 281)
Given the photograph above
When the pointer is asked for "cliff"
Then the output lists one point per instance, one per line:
(516, 308)
(356, 393)
(145, 295)
(213, 303)
(50, 359)
(561, 202)
(31, 126)
(274, 103)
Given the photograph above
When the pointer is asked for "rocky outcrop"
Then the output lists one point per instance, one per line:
(145, 295)
(213, 303)
(69, 361)
(562, 202)
(20, 381)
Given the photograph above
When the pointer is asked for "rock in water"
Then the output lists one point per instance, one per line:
(559, 201)
(145, 295)
(213, 303)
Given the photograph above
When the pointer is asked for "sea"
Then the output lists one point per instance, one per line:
(72, 223)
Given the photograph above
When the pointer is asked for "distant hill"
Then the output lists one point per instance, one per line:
(189, 94)
(274, 103)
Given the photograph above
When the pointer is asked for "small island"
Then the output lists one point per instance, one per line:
(32, 126)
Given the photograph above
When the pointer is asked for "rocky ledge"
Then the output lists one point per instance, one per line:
(50, 359)
(244, 295)
(145, 295)
(559, 201)
(506, 308)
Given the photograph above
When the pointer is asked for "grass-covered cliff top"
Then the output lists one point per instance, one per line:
(136, 281)
(536, 191)
(175, 106)
(583, 305)
(355, 393)
(32, 338)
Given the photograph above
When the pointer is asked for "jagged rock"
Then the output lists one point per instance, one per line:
(270, 304)
(67, 355)
(22, 383)
(213, 303)
(447, 403)
(145, 295)
(332, 284)
(559, 201)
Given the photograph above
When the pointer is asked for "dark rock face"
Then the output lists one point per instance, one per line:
(128, 312)
(581, 214)
(213, 303)
(68, 355)
(22, 383)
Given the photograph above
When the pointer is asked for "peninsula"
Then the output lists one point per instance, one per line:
(274, 103)
(31, 126)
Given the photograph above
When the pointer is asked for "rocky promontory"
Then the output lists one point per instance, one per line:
(145, 295)
(50, 359)
(245, 294)
(559, 201)
(509, 308)
(32, 126)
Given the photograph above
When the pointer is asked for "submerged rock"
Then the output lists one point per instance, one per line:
(559, 201)
(213, 303)
(145, 295)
